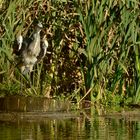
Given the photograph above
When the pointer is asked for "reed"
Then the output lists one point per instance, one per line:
(111, 52)
(94, 49)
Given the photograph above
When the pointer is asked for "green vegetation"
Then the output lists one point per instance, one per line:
(94, 49)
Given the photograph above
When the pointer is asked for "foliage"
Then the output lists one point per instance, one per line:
(94, 48)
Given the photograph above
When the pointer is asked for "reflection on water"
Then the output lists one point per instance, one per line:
(56, 121)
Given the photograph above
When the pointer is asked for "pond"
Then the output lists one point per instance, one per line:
(26, 118)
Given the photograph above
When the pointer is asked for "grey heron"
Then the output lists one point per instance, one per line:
(31, 51)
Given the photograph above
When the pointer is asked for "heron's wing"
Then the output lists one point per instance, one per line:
(15, 48)
(42, 52)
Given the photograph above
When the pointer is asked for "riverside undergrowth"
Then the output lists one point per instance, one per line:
(94, 49)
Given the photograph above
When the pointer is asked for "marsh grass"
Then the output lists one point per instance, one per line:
(111, 29)
(94, 49)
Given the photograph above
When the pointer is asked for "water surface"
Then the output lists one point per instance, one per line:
(47, 119)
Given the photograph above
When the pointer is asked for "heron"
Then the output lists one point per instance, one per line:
(31, 50)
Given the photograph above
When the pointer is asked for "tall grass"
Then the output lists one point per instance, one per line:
(94, 49)
(112, 60)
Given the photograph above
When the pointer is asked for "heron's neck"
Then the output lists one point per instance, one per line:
(37, 34)
(36, 39)
(38, 30)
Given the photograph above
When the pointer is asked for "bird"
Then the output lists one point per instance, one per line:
(30, 51)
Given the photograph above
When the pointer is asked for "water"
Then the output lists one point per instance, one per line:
(46, 119)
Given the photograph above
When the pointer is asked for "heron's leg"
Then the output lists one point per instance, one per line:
(27, 75)
(31, 69)
(25, 70)
(21, 86)
(21, 79)
(29, 79)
